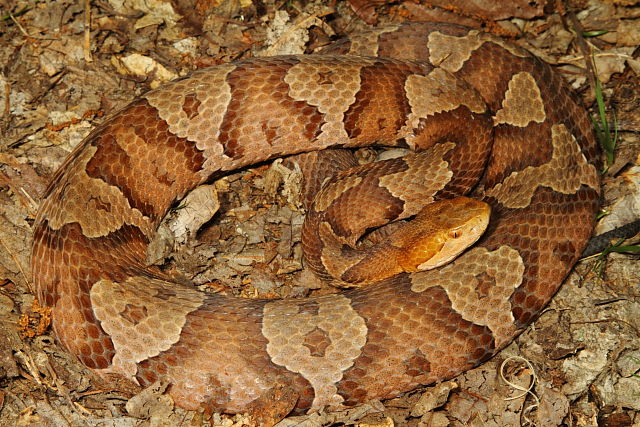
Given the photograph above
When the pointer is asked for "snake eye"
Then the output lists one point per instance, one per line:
(454, 234)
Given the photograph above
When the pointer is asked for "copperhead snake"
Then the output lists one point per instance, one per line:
(409, 85)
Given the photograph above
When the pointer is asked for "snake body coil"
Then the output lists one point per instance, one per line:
(502, 125)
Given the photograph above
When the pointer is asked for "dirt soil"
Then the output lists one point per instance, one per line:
(577, 365)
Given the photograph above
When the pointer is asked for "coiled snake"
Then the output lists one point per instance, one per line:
(441, 88)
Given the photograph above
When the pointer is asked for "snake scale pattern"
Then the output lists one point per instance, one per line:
(434, 87)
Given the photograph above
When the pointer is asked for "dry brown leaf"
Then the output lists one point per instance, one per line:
(492, 9)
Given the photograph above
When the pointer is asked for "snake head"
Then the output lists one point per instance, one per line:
(443, 230)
